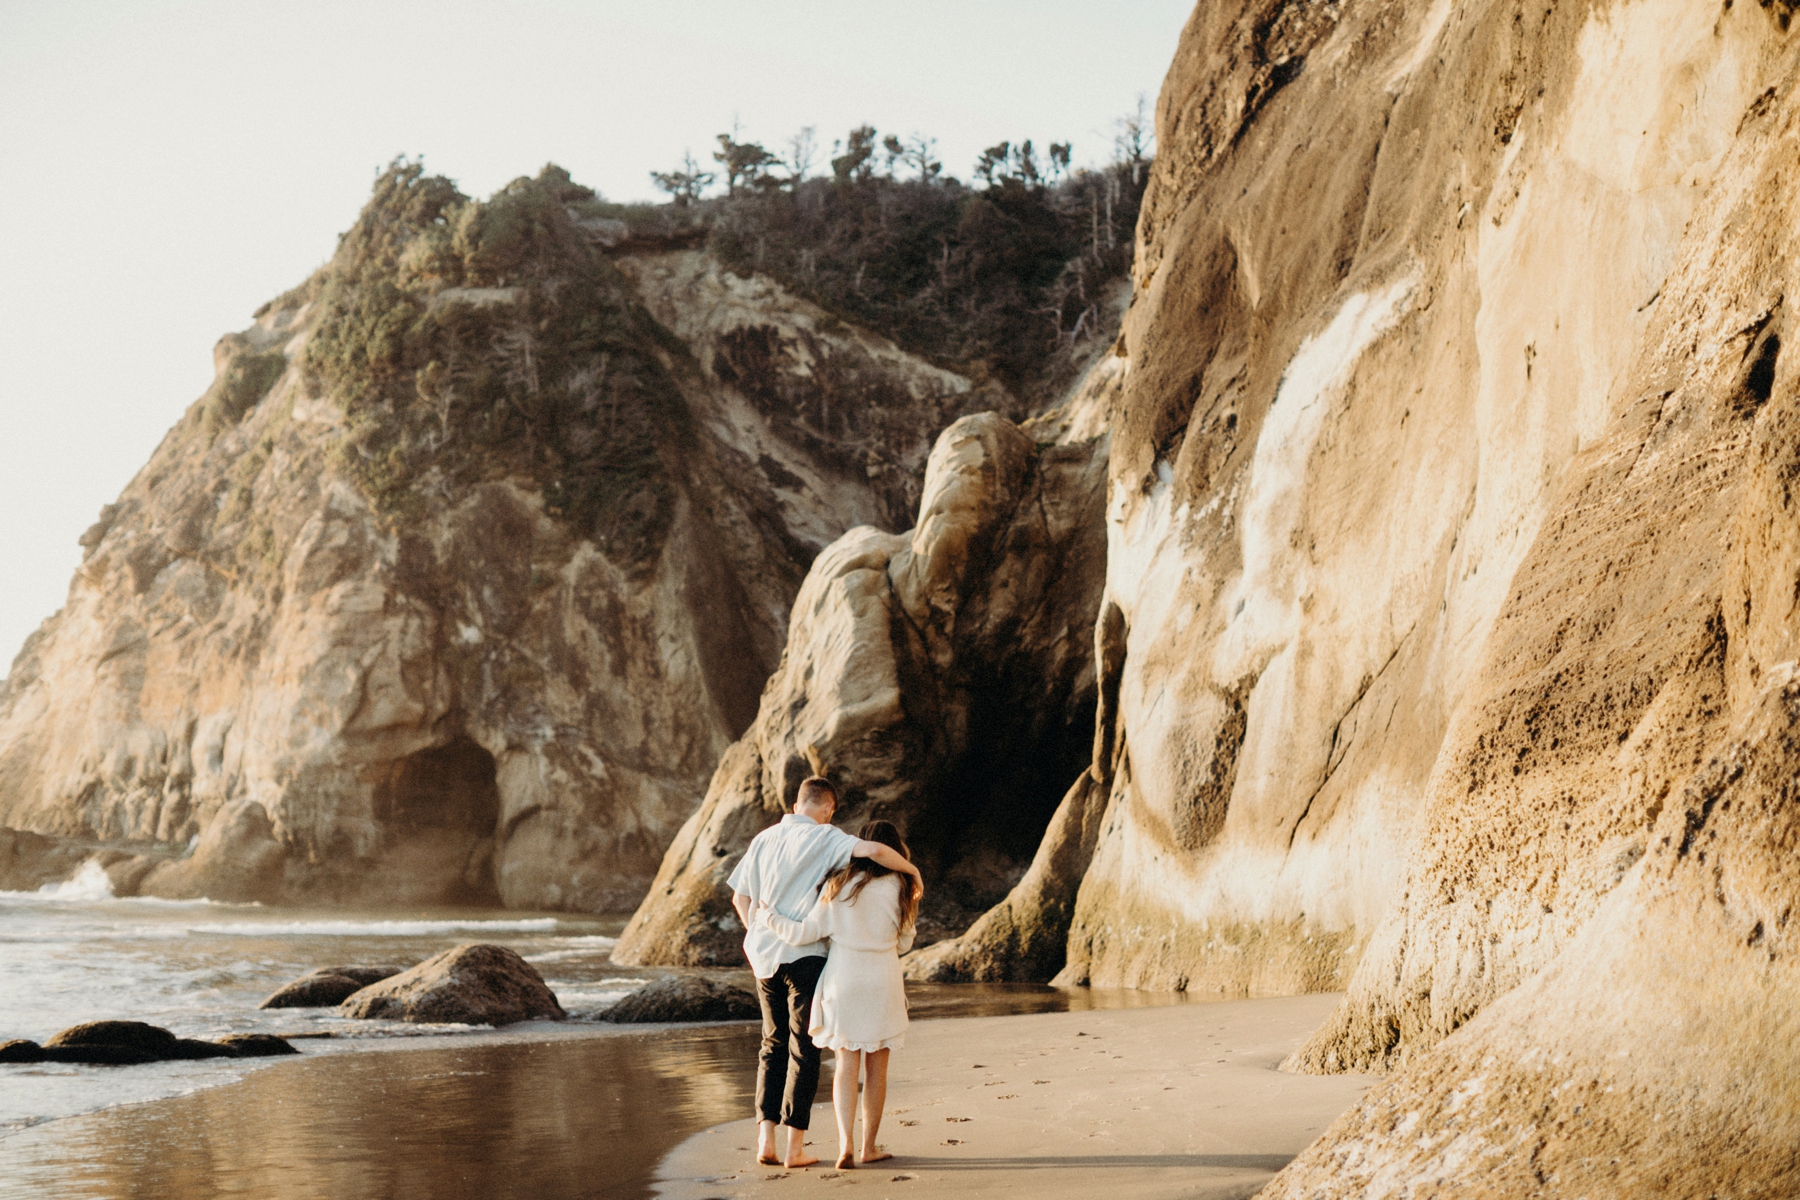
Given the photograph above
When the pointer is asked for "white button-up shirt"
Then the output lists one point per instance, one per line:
(784, 868)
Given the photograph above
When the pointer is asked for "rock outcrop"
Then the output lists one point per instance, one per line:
(129, 1043)
(944, 677)
(466, 985)
(460, 579)
(1440, 392)
(685, 998)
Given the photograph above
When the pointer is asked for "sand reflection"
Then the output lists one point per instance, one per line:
(563, 1118)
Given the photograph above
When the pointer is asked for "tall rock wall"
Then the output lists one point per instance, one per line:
(1451, 566)
(396, 620)
(1397, 265)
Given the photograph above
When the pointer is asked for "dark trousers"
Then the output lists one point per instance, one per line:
(787, 1068)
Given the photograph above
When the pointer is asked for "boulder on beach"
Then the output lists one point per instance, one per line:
(257, 1045)
(21, 1050)
(328, 986)
(470, 984)
(127, 1043)
(122, 1043)
(136, 1035)
(685, 998)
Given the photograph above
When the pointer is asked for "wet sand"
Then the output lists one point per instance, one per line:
(545, 1111)
(1181, 1101)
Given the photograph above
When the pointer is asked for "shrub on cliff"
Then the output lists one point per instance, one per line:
(467, 340)
(245, 380)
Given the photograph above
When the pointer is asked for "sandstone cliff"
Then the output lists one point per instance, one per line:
(466, 571)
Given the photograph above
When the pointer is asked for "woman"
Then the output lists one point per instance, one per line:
(859, 1008)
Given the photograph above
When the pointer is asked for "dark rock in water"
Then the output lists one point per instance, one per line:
(318, 990)
(100, 1054)
(21, 1050)
(257, 1045)
(327, 986)
(134, 1035)
(471, 984)
(685, 998)
(121, 1043)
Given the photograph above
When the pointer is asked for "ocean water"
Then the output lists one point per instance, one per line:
(74, 952)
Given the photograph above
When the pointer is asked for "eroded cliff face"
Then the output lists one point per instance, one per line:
(945, 679)
(1397, 267)
(366, 640)
(1451, 542)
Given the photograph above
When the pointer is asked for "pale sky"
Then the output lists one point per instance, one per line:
(165, 167)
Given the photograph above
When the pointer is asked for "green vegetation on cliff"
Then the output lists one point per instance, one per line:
(468, 339)
(1004, 276)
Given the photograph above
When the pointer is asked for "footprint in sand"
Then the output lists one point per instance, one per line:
(909, 1122)
(902, 1178)
(959, 1118)
(951, 1142)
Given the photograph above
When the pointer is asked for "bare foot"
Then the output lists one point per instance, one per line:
(846, 1162)
(768, 1159)
(879, 1156)
(806, 1160)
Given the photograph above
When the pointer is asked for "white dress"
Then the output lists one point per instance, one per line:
(860, 1003)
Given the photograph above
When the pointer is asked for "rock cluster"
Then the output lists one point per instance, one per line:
(127, 1043)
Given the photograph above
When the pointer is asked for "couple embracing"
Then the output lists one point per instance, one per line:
(826, 918)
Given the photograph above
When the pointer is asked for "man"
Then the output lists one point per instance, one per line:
(784, 868)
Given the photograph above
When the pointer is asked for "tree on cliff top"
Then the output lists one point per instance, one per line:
(1007, 277)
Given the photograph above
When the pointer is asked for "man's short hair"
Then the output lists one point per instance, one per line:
(816, 789)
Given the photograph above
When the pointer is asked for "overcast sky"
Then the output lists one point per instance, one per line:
(167, 167)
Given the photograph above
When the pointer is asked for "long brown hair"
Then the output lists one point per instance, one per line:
(849, 881)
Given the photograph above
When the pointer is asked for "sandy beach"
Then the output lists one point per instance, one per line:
(1153, 1102)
